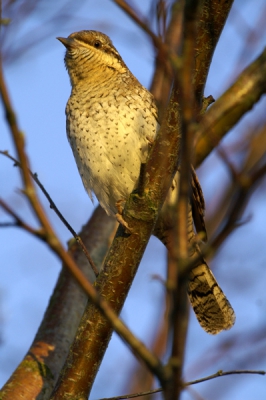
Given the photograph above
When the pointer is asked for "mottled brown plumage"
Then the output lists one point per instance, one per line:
(111, 121)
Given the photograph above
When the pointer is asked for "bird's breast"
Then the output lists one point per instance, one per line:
(109, 135)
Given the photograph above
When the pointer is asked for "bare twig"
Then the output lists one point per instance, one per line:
(207, 378)
(222, 373)
(163, 74)
(139, 21)
(8, 224)
(56, 210)
(19, 222)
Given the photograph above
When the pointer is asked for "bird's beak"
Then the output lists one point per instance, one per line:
(67, 42)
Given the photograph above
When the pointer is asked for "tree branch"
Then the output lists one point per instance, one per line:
(179, 248)
(210, 25)
(230, 107)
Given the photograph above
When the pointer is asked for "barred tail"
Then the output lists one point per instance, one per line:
(212, 309)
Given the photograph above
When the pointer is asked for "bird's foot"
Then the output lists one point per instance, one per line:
(121, 221)
(119, 217)
(120, 204)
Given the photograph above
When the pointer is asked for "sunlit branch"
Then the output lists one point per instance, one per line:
(230, 107)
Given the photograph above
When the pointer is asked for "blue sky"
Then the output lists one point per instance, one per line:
(39, 88)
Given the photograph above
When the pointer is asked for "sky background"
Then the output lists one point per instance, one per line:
(39, 88)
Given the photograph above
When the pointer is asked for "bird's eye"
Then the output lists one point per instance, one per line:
(97, 44)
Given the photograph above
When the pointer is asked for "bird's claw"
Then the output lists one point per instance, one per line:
(121, 221)
(119, 217)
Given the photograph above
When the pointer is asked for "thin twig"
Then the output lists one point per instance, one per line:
(139, 21)
(163, 73)
(8, 224)
(56, 210)
(222, 373)
(19, 222)
(207, 378)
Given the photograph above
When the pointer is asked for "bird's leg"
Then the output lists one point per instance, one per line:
(119, 217)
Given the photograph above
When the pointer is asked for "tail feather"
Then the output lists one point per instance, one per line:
(212, 309)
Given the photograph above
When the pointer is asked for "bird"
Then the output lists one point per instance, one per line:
(111, 123)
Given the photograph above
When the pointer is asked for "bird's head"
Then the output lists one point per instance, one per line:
(88, 53)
